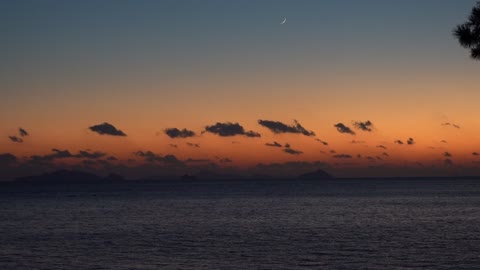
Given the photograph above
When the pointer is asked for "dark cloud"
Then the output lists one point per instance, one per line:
(111, 158)
(90, 155)
(385, 154)
(333, 151)
(370, 158)
(149, 156)
(322, 142)
(279, 127)
(22, 132)
(230, 129)
(357, 142)
(410, 141)
(342, 156)
(252, 134)
(15, 139)
(60, 154)
(177, 133)
(7, 159)
(171, 159)
(57, 154)
(287, 145)
(343, 129)
(359, 156)
(173, 145)
(475, 154)
(365, 126)
(382, 146)
(196, 145)
(225, 160)
(274, 144)
(451, 124)
(291, 151)
(107, 129)
(443, 141)
(447, 154)
(192, 160)
(448, 162)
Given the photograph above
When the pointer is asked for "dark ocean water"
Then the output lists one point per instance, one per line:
(343, 224)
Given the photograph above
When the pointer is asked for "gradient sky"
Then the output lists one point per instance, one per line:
(144, 66)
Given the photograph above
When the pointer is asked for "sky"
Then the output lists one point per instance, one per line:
(147, 66)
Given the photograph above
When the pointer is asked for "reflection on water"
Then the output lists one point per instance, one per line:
(242, 225)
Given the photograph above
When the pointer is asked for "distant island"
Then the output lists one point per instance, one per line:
(316, 175)
(71, 176)
(67, 176)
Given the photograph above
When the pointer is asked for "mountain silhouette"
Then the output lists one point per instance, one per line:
(67, 176)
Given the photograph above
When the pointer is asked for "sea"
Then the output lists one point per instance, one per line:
(244, 224)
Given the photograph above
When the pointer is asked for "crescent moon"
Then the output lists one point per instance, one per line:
(284, 21)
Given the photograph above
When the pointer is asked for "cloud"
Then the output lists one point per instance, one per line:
(357, 142)
(475, 154)
(252, 134)
(322, 142)
(448, 162)
(196, 145)
(342, 156)
(410, 141)
(343, 129)
(225, 160)
(192, 160)
(15, 139)
(365, 126)
(230, 129)
(7, 159)
(274, 144)
(173, 145)
(57, 154)
(171, 159)
(291, 151)
(443, 141)
(22, 132)
(90, 155)
(385, 154)
(177, 133)
(107, 129)
(447, 154)
(151, 157)
(279, 127)
(382, 146)
(451, 124)
(111, 158)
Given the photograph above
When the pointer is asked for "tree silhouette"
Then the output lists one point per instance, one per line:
(468, 33)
